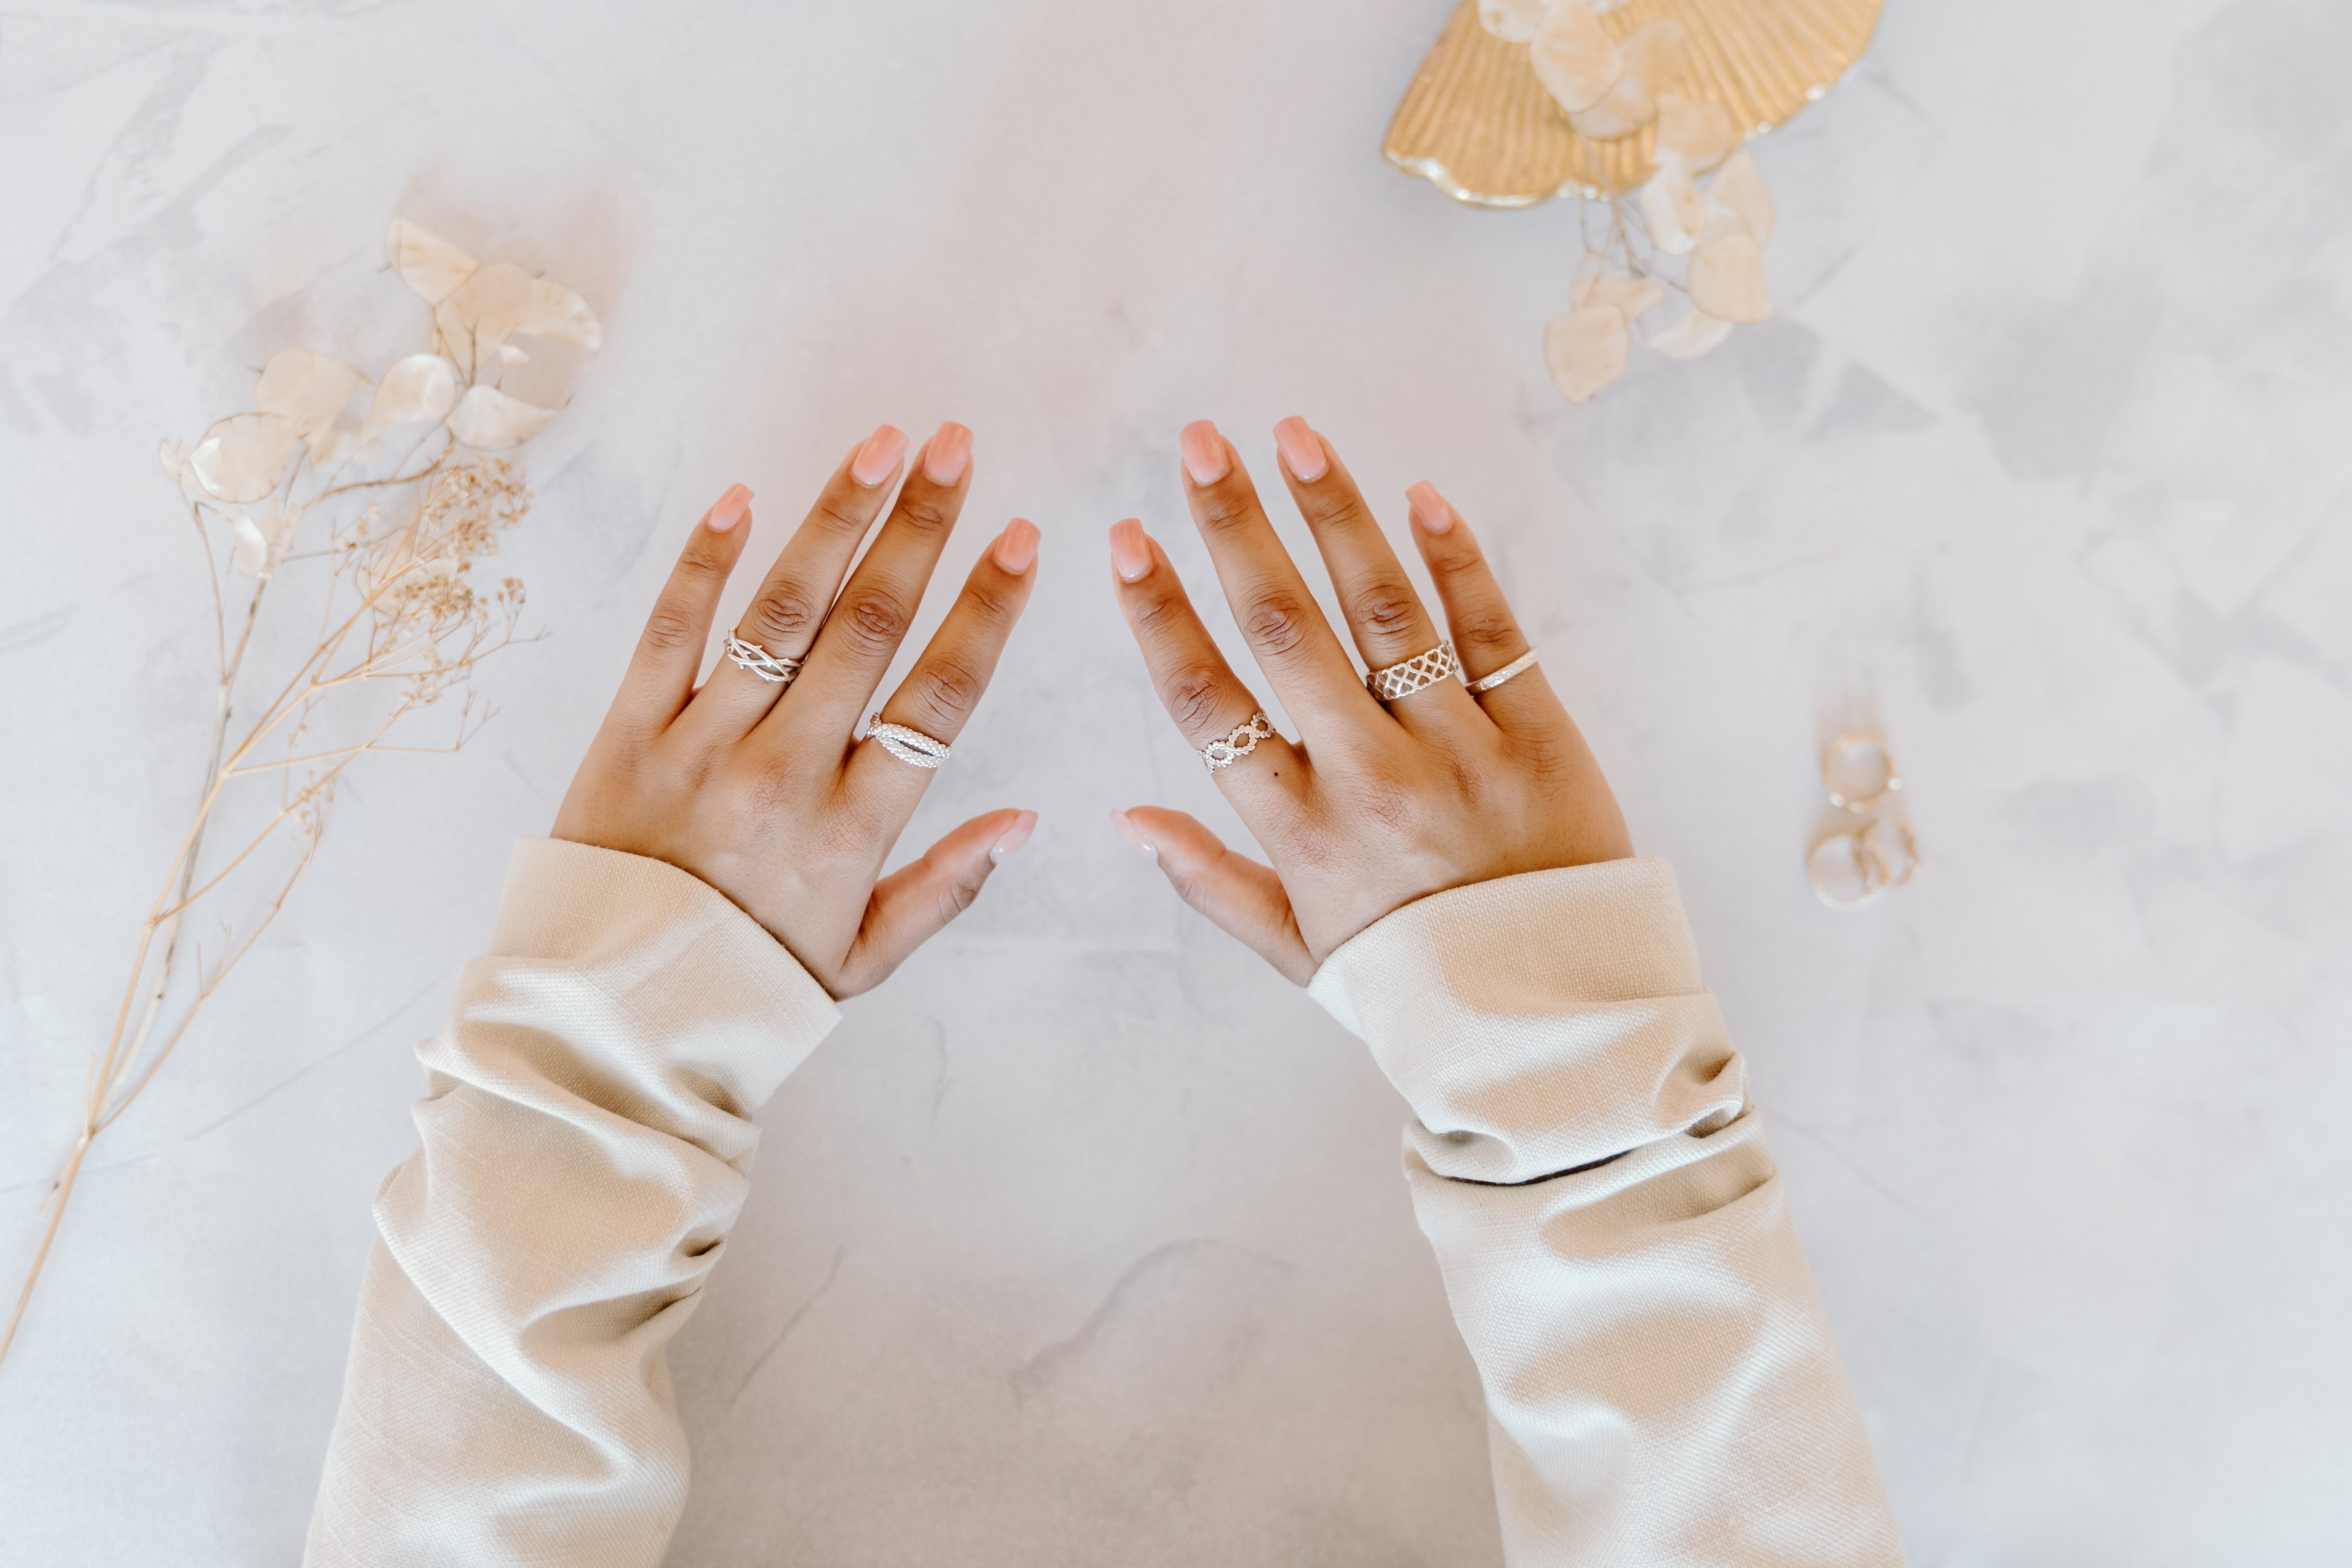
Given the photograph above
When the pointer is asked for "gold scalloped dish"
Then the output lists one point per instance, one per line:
(1477, 125)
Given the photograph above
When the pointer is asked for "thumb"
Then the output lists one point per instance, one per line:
(1241, 898)
(910, 905)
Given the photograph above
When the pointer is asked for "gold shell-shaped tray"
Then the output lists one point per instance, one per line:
(1477, 123)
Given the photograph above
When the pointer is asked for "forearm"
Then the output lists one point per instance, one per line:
(585, 1142)
(1661, 1384)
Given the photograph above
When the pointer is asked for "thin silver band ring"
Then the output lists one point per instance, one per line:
(1518, 665)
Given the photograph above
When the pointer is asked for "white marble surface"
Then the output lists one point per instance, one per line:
(1084, 1241)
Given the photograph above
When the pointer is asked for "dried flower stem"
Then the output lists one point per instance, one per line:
(415, 620)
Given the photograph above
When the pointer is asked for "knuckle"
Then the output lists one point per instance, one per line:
(833, 513)
(946, 687)
(926, 514)
(1223, 508)
(782, 615)
(1387, 608)
(1389, 803)
(1194, 698)
(873, 623)
(1277, 622)
(1490, 628)
(1160, 613)
(668, 631)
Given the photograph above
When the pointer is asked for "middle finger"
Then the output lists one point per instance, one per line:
(784, 615)
(1278, 617)
(861, 634)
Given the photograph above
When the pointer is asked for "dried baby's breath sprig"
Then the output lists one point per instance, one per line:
(1610, 90)
(406, 508)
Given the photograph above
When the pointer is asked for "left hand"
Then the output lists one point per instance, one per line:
(760, 788)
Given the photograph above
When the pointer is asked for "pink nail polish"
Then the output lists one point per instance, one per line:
(730, 509)
(1205, 453)
(1302, 450)
(879, 458)
(1133, 834)
(947, 454)
(1130, 550)
(1016, 547)
(1017, 834)
(1430, 514)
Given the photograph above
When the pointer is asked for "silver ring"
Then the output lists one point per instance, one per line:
(1224, 753)
(1486, 683)
(911, 747)
(750, 656)
(1421, 669)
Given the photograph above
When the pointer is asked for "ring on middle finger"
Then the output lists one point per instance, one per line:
(750, 656)
(1422, 669)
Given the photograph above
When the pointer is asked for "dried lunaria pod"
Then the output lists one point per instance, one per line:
(1573, 57)
(1514, 21)
(1705, 201)
(1586, 348)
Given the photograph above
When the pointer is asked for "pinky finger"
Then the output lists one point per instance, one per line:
(912, 904)
(1485, 633)
(1243, 899)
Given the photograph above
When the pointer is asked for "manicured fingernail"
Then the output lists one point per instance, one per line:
(1130, 550)
(1017, 834)
(1429, 509)
(1016, 547)
(730, 509)
(879, 458)
(1133, 834)
(946, 453)
(1302, 450)
(1205, 453)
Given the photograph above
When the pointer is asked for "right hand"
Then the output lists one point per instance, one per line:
(761, 790)
(1376, 804)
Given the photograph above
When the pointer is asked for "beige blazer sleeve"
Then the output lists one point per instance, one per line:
(1660, 1384)
(585, 1138)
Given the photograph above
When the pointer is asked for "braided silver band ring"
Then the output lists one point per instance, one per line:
(1224, 753)
(1421, 669)
(750, 656)
(1486, 683)
(911, 747)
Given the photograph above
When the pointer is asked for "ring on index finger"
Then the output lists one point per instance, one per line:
(1225, 752)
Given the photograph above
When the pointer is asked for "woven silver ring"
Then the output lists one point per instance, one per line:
(1486, 683)
(1224, 753)
(750, 656)
(911, 747)
(1421, 669)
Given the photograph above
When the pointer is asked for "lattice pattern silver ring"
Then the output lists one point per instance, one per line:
(1224, 753)
(911, 747)
(1421, 669)
(750, 656)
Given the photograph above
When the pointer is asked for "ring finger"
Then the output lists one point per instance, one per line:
(1485, 631)
(784, 615)
(1384, 613)
(939, 695)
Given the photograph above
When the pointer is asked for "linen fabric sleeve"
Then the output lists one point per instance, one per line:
(1661, 1386)
(585, 1139)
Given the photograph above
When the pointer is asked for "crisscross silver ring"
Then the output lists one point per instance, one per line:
(911, 747)
(750, 656)
(1421, 669)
